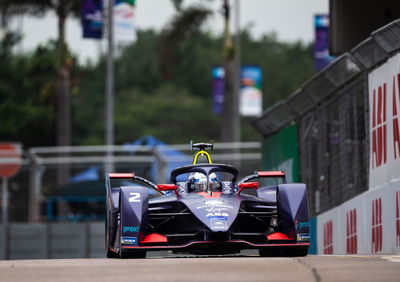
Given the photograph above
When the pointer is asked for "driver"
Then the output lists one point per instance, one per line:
(198, 182)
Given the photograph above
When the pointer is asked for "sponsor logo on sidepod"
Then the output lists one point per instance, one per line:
(129, 240)
(302, 224)
(303, 237)
(130, 229)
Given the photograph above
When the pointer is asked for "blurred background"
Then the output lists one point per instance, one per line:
(92, 86)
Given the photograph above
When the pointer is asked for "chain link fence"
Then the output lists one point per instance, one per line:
(332, 113)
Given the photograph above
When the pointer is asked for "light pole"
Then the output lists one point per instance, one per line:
(237, 76)
(109, 126)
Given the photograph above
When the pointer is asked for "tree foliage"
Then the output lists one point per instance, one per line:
(174, 110)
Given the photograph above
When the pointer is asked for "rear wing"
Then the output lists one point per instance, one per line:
(279, 173)
(127, 176)
(270, 174)
(121, 175)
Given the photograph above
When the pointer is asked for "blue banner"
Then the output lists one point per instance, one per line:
(218, 89)
(250, 98)
(92, 18)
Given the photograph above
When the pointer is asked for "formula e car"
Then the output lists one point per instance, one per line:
(206, 210)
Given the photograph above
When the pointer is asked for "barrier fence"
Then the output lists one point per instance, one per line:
(331, 111)
(67, 183)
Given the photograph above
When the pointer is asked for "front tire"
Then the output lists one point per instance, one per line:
(111, 254)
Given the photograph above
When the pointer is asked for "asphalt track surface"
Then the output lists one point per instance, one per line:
(188, 269)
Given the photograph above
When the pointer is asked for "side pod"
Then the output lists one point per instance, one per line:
(133, 215)
(293, 211)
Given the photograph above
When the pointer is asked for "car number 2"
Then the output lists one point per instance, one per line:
(134, 197)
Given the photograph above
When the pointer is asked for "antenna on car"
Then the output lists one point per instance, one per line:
(202, 150)
(202, 146)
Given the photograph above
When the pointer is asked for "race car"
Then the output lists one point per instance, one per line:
(206, 210)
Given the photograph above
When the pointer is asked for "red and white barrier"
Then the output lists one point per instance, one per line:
(370, 222)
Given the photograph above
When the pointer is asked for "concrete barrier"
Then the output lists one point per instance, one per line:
(52, 240)
(28, 241)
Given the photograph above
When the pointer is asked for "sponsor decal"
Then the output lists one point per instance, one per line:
(376, 240)
(305, 224)
(218, 218)
(328, 238)
(218, 224)
(213, 202)
(226, 188)
(384, 103)
(129, 240)
(303, 237)
(130, 229)
(219, 209)
(351, 232)
(215, 206)
(224, 214)
(379, 126)
(397, 218)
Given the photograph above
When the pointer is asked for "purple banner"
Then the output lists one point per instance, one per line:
(250, 97)
(92, 19)
(321, 48)
(218, 89)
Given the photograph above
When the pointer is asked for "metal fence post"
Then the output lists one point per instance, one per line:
(35, 189)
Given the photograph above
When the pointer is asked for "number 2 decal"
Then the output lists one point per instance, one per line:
(134, 197)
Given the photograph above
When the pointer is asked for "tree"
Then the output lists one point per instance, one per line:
(26, 109)
(63, 9)
(186, 23)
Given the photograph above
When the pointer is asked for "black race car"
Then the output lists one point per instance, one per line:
(206, 210)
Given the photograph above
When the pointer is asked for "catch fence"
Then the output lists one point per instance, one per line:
(332, 114)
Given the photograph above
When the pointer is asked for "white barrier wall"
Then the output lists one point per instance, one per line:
(370, 222)
(367, 224)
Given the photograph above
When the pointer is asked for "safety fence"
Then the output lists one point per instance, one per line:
(331, 111)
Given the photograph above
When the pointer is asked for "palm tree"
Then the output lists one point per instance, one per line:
(63, 9)
(182, 26)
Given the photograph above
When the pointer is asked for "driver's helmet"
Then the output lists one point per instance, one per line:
(198, 182)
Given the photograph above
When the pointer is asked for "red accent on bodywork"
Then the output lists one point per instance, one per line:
(121, 175)
(278, 173)
(154, 238)
(167, 187)
(206, 195)
(278, 236)
(248, 185)
(251, 185)
(216, 242)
